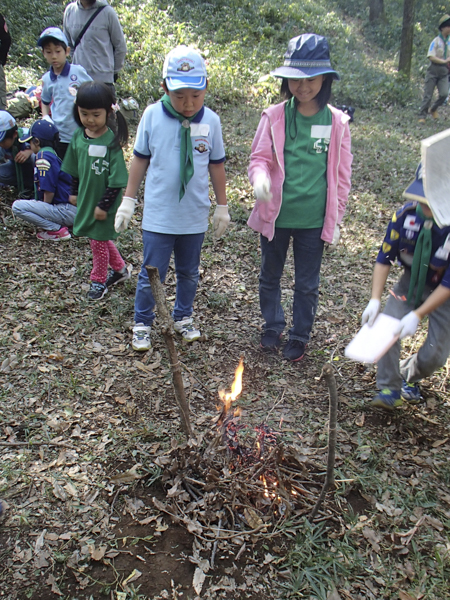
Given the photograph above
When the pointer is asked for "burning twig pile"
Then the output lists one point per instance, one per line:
(236, 480)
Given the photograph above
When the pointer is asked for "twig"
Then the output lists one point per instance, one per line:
(57, 444)
(327, 374)
(167, 331)
(214, 549)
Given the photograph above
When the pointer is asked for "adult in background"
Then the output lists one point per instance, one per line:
(5, 43)
(438, 70)
(102, 48)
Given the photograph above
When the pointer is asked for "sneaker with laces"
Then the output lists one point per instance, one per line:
(97, 291)
(141, 337)
(387, 399)
(411, 392)
(55, 236)
(270, 340)
(187, 329)
(116, 277)
(294, 350)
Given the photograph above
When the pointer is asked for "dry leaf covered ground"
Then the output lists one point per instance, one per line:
(89, 428)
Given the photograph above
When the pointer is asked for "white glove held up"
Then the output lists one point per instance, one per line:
(408, 325)
(124, 213)
(221, 220)
(371, 312)
(261, 188)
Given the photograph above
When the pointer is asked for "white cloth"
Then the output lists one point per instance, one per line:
(261, 188)
(408, 325)
(124, 213)
(221, 220)
(371, 312)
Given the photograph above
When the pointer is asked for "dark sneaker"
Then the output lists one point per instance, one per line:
(411, 392)
(97, 291)
(294, 350)
(387, 399)
(116, 277)
(270, 340)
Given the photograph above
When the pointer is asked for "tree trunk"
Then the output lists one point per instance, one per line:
(406, 45)
(376, 10)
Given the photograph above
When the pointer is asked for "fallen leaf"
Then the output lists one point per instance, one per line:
(198, 580)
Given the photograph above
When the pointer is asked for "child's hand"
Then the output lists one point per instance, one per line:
(221, 220)
(23, 156)
(99, 214)
(261, 188)
(73, 200)
(408, 325)
(335, 240)
(371, 312)
(124, 213)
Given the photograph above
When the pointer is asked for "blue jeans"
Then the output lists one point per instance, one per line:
(308, 250)
(158, 249)
(50, 217)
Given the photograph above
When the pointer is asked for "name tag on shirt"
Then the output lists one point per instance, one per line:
(98, 151)
(410, 223)
(199, 129)
(321, 131)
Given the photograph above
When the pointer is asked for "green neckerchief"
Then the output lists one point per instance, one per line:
(445, 44)
(421, 259)
(186, 156)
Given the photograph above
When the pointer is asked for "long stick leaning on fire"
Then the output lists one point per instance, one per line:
(327, 374)
(168, 333)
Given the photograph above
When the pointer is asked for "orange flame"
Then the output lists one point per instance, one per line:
(236, 387)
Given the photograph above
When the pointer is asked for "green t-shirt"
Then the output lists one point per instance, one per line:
(96, 166)
(305, 164)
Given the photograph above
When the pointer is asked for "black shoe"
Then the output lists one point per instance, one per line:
(97, 291)
(270, 340)
(117, 277)
(294, 350)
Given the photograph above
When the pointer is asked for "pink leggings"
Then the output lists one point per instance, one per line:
(104, 254)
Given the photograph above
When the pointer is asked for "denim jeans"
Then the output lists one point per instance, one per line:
(308, 250)
(158, 249)
(50, 217)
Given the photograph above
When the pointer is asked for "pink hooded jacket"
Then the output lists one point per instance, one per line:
(268, 157)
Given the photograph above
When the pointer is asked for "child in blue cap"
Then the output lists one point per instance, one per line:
(178, 143)
(60, 85)
(51, 210)
(423, 249)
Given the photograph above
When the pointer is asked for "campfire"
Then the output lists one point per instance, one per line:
(237, 477)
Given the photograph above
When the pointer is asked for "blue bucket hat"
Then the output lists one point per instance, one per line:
(307, 55)
(415, 190)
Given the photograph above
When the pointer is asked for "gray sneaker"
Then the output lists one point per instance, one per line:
(187, 329)
(141, 337)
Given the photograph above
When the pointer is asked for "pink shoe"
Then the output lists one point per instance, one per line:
(55, 236)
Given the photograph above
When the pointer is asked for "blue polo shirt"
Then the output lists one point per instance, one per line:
(158, 139)
(48, 177)
(62, 90)
(400, 243)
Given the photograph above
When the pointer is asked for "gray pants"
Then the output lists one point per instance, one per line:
(433, 353)
(50, 217)
(437, 76)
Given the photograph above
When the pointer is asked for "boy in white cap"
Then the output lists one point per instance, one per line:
(60, 85)
(178, 142)
(423, 248)
(17, 168)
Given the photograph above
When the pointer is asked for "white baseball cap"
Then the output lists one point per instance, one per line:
(184, 68)
(6, 122)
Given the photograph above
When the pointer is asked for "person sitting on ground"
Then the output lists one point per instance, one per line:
(60, 85)
(17, 168)
(437, 72)
(51, 210)
(413, 238)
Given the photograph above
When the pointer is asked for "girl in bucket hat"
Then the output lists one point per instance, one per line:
(300, 169)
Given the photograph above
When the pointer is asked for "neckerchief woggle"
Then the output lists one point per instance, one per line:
(421, 260)
(186, 156)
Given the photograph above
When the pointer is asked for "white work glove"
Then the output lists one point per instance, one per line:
(48, 118)
(221, 220)
(261, 188)
(336, 238)
(408, 325)
(124, 213)
(371, 312)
